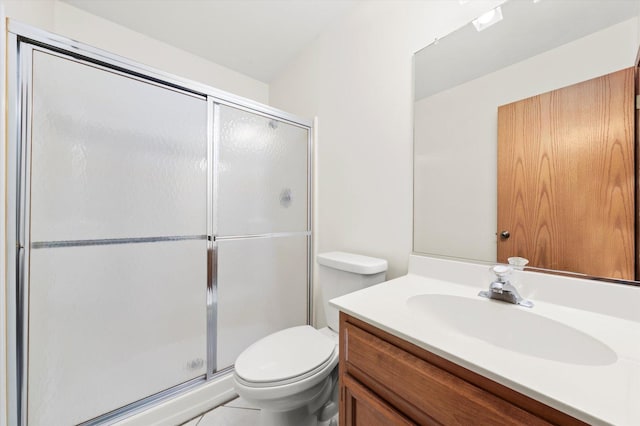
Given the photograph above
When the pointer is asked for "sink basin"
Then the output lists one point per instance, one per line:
(512, 327)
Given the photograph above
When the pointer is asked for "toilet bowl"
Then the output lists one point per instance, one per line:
(288, 374)
(292, 375)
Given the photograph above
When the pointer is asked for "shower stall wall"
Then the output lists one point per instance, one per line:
(158, 227)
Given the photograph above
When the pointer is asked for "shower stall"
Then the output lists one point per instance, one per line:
(156, 228)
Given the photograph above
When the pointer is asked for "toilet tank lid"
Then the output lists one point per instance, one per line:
(350, 262)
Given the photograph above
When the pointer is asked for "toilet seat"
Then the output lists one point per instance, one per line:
(285, 357)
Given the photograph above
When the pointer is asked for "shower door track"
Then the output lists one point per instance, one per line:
(23, 39)
(153, 400)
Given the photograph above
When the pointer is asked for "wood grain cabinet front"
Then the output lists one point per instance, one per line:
(385, 380)
(362, 407)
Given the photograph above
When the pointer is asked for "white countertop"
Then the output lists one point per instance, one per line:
(596, 391)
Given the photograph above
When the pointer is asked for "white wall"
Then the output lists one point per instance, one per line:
(32, 12)
(357, 78)
(464, 156)
(66, 20)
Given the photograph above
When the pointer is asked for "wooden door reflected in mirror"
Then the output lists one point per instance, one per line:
(551, 145)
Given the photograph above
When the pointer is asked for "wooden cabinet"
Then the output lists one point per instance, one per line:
(365, 408)
(385, 380)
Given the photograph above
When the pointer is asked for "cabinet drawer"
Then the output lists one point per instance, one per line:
(422, 391)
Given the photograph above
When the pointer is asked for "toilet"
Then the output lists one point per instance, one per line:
(292, 375)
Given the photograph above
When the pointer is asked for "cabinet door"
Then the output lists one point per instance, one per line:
(262, 175)
(362, 407)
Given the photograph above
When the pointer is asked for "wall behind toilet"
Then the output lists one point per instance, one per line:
(357, 79)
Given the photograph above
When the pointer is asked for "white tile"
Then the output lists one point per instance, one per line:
(240, 403)
(227, 416)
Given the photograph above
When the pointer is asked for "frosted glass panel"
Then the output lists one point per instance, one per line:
(114, 157)
(262, 288)
(262, 174)
(112, 324)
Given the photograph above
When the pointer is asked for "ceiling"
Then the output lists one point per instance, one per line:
(257, 38)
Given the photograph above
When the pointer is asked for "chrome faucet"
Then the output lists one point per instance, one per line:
(502, 289)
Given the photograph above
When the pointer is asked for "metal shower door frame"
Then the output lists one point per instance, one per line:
(22, 40)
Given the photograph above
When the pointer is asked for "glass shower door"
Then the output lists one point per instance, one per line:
(117, 272)
(262, 228)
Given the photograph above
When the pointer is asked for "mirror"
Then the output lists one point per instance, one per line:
(462, 79)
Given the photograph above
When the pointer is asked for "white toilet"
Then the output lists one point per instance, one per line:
(292, 375)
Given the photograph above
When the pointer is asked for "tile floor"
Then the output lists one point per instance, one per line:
(234, 413)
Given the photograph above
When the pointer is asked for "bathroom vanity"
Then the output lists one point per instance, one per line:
(425, 349)
(386, 380)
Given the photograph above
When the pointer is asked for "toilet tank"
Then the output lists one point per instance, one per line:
(340, 273)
